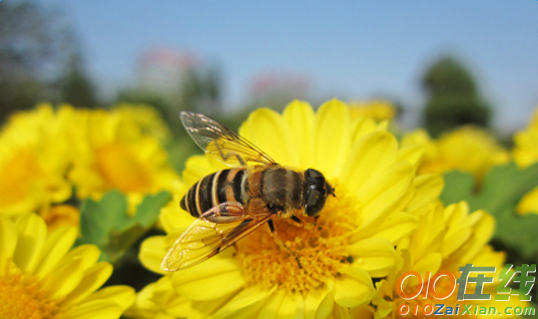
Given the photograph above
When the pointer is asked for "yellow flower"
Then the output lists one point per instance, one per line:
(468, 149)
(378, 110)
(444, 240)
(525, 153)
(41, 277)
(376, 190)
(144, 120)
(113, 153)
(34, 158)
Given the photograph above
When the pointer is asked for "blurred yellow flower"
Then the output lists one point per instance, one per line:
(143, 120)
(444, 240)
(379, 110)
(42, 278)
(111, 152)
(377, 197)
(34, 158)
(468, 149)
(525, 153)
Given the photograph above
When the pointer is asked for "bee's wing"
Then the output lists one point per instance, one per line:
(221, 142)
(215, 230)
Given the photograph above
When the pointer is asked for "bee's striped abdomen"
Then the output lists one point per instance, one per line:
(219, 187)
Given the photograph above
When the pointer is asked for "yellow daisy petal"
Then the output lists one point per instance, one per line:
(32, 233)
(245, 304)
(326, 306)
(369, 156)
(152, 252)
(313, 303)
(412, 154)
(98, 309)
(332, 138)
(89, 254)
(57, 245)
(281, 146)
(64, 279)
(292, 307)
(8, 241)
(93, 278)
(381, 194)
(429, 187)
(196, 283)
(375, 255)
(272, 306)
(354, 288)
(122, 295)
(301, 120)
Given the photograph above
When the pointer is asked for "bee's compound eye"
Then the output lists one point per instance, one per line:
(315, 200)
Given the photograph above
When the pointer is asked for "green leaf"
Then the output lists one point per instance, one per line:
(148, 211)
(108, 225)
(500, 192)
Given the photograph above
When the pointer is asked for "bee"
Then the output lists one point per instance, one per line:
(232, 203)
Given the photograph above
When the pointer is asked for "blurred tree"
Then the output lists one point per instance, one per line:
(74, 85)
(201, 91)
(34, 41)
(453, 98)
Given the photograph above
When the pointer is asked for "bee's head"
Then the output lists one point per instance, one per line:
(315, 192)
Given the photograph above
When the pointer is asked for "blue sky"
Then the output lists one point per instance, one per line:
(349, 49)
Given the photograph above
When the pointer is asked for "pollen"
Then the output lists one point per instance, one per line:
(320, 247)
(22, 298)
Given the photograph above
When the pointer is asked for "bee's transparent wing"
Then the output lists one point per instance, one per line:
(215, 230)
(221, 142)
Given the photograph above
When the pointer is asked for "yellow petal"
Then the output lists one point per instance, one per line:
(98, 309)
(313, 302)
(64, 279)
(199, 282)
(93, 279)
(380, 196)
(529, 203)
(482, 234)
(152, 252)
(57, 245)
(124, 296)
(326, 306)
(353, 288)
(393, 228)
(332, 139)
(268, 130)
(196, 168)
(362, 126)
(271, 307)
(412, 154)
(454, 241)
(428, 187)
(292, 307)
(204, 309)
(431, 262)
(32, 233)
(369, 156)
(375, 255)
(89, 254)
(8, 241)
(301, 120)
(245, 304)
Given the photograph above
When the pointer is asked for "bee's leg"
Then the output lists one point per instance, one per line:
(280, 243)
(297, 220)
(225, 157)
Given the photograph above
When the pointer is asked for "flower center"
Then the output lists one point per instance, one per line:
(22, 299)
(18, 176)
(320, 248)
(121, 169)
